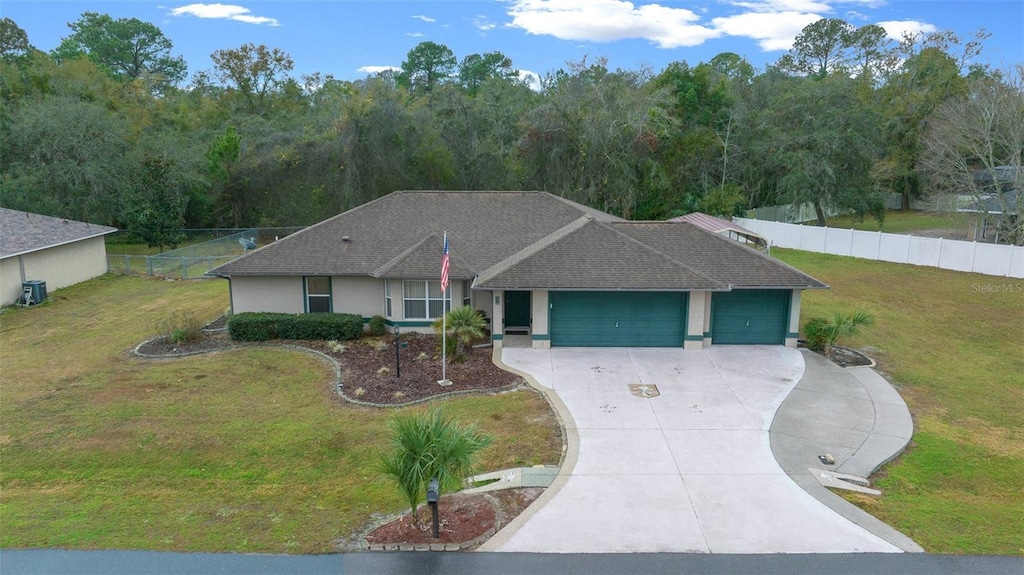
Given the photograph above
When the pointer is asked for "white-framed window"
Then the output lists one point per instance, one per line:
(318, 294)
(466, 295)
(387, 298)
(422, 299)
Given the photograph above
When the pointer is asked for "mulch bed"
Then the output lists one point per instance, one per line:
(370, 374)
(162, 346)
(462, 518)
(845, 357)
(369, 370)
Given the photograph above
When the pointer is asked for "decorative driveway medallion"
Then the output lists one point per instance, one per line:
(644, 390)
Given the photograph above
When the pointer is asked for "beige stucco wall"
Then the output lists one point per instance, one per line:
(794, 317)
(697, 318)
(10, 281)
(59, 267)
(267, 293)
(707, 317)
(358, 295)
(484, 301)
(539, 319)
(497, 316)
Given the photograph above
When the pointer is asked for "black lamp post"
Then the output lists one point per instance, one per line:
(398, 361)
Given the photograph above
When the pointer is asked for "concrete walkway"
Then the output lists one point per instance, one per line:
(852, 414)
(688, 470)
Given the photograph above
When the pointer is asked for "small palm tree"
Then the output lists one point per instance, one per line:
(464, 325)
(823, 334)
(428, 445)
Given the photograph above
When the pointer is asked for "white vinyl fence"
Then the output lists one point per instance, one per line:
(982, 258)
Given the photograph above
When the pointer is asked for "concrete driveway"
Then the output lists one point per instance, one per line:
(688, 470)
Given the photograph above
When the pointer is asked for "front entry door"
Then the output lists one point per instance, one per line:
(517, 311)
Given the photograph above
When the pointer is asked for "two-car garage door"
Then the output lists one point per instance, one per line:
(618, 319)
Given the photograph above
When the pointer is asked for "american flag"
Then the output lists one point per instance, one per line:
(444, 266)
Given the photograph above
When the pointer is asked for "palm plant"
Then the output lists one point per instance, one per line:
(464, 325)
(427, 445)
(822, 334)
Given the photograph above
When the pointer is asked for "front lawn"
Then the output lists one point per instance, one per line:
(953, 344)
(245, 450)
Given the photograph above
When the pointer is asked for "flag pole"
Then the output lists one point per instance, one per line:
(444, 322)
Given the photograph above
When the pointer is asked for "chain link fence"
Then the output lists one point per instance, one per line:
(194, 261)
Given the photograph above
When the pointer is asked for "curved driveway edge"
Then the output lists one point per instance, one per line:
(853, 414)
(570, 453)
(672, 454)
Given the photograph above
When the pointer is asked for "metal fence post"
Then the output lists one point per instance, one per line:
(149, 266)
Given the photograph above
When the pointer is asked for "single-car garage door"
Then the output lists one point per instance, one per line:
(749, 317)
(617, 319)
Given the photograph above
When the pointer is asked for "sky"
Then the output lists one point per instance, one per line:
(351, 39)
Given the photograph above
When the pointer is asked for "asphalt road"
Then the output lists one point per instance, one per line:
(58, 562)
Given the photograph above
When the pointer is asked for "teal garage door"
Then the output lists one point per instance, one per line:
(617, 319)
(749, 317)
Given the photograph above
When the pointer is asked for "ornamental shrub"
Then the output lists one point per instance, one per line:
(262, 326)
(377, 326)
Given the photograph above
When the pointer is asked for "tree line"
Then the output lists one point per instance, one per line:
(109, 128)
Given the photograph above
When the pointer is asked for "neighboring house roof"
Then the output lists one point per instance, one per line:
(23, 232)
(1008, 175)
(723, 227)
(993, 205)
(516, 240)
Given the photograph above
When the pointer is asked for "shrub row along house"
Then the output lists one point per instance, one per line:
(533, 263)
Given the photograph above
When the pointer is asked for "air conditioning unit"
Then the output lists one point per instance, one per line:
(33, 292)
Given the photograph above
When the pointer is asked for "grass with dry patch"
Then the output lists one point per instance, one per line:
(952, 344)
(243, 450)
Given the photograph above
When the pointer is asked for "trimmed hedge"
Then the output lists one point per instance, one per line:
(252, 326)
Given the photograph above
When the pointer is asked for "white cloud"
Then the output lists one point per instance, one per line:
(377, 69)
(785, 6)
(609, 21)
(532, 79)
(854, 15)
(774, 24)
(773, 31)
(482, 23)
(414, 34)
(425, 18)
(224, 12)
(895, 29)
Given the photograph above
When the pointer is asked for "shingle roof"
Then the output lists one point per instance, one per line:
(483, 228)
(422, 260)
(993, 204)
(718, 257)
(22, 232)
(596, 256)
(516, 240)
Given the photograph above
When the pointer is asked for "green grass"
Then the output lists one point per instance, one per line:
(236, 451)
(904, 222)
(953, 343)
